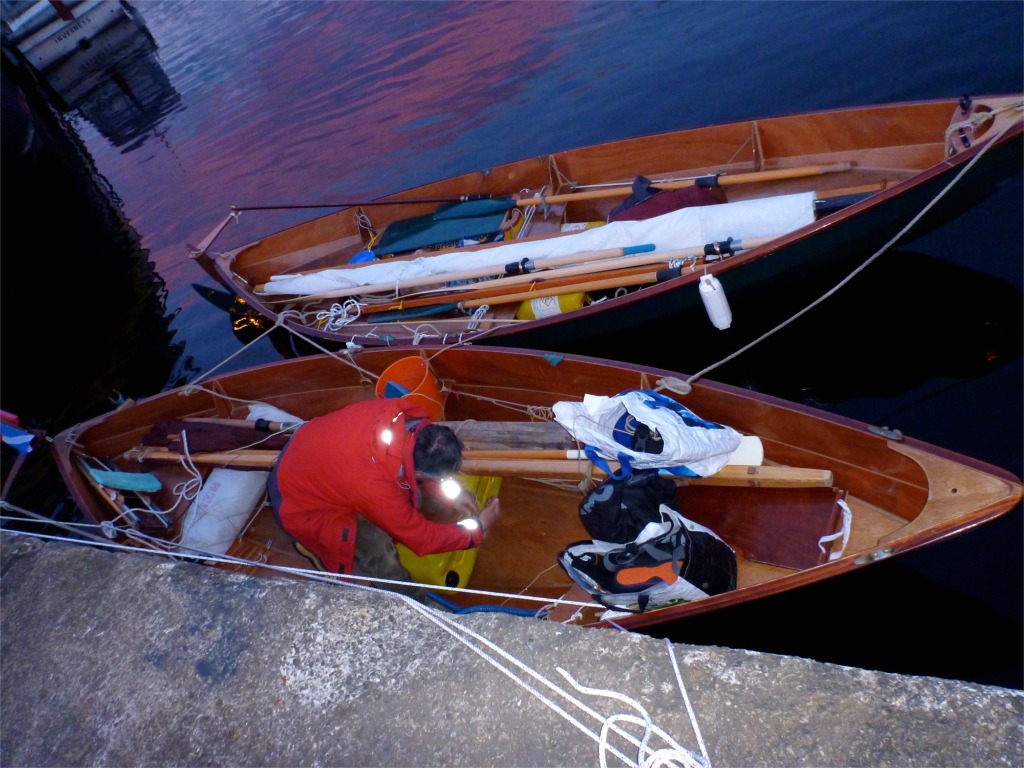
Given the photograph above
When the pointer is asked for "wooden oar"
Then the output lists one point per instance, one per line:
(476, 435)
(543, 266)
(566, 284)
(472, 273)
(584, 286)
(730, 475)
(564, 277)
(711, 180)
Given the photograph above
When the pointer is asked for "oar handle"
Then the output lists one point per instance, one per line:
(260, 425)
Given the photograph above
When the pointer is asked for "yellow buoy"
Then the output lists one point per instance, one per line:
(547, 306)
(450, 569)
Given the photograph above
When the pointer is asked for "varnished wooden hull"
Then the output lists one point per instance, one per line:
(903, 494)
(902, 156)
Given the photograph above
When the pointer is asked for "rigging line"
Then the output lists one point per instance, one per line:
(200, 377)
(457, 630)
(451, 626)
(74, 528)
(347, 580)
(654, 758)
(194, 388)
(863, 266)
(686, 698)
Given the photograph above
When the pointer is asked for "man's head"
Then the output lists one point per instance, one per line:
(437, 451)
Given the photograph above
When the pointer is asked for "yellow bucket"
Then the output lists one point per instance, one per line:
(412, 378)
(450, 569)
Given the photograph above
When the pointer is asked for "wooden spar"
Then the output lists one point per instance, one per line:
(552, 468)
(385, 201)
(564, 278)
(563, 285)
(581, 287)
(729, 475)
(260, 425)
(708, 180)
(475, 435)
(711, 180)
(545, 267)
(471, 274)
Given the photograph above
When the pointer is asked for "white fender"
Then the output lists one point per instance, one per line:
(715, 302)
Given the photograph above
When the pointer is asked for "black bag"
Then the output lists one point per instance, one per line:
(684, 562)
(617, 510)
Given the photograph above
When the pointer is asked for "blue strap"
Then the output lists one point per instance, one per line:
(627, 468)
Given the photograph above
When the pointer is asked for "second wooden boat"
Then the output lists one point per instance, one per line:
(552, 250)
(823, 496)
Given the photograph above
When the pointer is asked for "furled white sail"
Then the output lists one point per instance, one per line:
(685, 228)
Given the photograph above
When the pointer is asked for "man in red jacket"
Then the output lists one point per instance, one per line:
(348, 485)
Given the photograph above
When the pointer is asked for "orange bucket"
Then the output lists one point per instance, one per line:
(412, 378)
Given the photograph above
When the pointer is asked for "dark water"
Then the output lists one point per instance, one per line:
(259, 103)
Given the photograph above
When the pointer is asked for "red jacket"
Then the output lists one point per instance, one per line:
(339, 465)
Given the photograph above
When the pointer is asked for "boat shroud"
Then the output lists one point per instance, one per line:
(876, 172)
(903, 494)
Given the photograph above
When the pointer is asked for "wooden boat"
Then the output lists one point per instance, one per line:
(777, 513)
(856, 178)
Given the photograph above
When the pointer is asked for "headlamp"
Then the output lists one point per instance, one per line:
(470, 524)
(450, 488)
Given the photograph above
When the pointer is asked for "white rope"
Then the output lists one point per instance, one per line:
(74, 528)
(686, 698)
(339, 315)
(185, 490)
(646, 756)
(609, 724)
(979, 119)
(447, 622)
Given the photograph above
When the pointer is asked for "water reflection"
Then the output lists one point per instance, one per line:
(906, 319)
(85, 321)
(102, 66)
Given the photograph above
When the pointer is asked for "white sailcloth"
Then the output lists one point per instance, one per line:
(685, 228)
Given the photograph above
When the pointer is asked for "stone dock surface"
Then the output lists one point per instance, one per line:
(124, 659)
